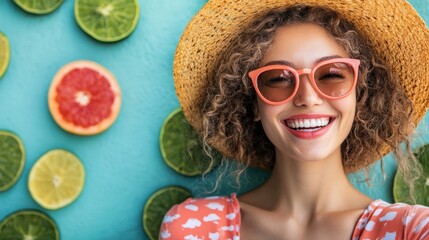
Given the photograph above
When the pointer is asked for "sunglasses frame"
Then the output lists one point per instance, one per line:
(254, 74)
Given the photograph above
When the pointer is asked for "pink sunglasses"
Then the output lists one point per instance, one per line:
(333, 79)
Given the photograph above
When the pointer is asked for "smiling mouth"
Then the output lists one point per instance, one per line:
(308, 124)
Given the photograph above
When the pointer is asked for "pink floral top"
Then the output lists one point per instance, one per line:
(216, 218)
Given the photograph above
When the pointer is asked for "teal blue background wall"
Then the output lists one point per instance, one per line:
(123, 165)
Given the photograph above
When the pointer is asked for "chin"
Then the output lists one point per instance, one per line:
(310, 154)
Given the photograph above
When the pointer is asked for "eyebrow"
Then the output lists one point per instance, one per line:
(290, 64)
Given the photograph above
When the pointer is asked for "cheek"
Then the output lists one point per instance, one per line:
(267, 114)
(347, 108)
(264, 111)
(261, 109)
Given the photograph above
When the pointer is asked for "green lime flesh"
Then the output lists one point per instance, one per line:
(158, 205)
(56, 179)
(107, 20)
(180, 146)
(39, 6)
(12, 159)
(28, 225)
(4, 54)
(401, 191)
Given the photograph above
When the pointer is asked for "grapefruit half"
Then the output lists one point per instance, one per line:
(84, 98)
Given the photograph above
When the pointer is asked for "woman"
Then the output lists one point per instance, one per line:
(312, 91)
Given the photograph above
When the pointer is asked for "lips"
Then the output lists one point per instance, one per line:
(309, 126)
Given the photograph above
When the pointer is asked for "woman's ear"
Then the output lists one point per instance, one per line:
(256, 111)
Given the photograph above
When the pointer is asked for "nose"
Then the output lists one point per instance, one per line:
(306, 94)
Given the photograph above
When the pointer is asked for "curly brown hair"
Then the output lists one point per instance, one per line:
(383, 110)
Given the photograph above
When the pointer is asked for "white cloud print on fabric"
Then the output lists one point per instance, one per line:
(192, 207)
(165, 234)
(211, 217)
(169, 219)
(230, 216)
(421, 225)
(192, 223)
(215, 206)
(407, 219)
(370, 226)
(362, 223)
(228, 228)
(192, 237)
(214, 236)
(388, 217)
(390, 236)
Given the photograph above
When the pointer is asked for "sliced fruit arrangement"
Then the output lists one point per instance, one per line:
(158, 205)
(39, 6)
(84, 98)
(107, 20)
(29, 224)
(12, 159)
(180, 147)
(4, 54)
(401, 191)
(56, 179)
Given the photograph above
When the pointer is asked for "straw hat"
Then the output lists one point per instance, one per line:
(396, 32)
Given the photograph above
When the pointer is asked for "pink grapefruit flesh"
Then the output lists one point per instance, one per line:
(84, 98)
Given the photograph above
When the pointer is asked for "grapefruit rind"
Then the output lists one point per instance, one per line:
(54, 106)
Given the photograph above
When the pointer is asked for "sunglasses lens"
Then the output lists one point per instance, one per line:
(334, 79)
(276, 85)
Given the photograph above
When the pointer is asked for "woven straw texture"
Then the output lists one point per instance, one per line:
(397, 33)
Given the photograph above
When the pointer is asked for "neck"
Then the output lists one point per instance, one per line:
(307, 188)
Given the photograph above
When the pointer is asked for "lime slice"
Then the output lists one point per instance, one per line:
(28, 224)
(158, 205)
(12, 159)
(180, 147)
(107, 20)
(4, 54)
(56, 179)
(421, 185)
(38, 6)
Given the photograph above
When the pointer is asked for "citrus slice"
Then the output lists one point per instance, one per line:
(158, 205)
(401, 191)
(107, 20)
(12, 159)
(38, 6)
(180, 147)
(4, 54)
(29, 224)
(56, 179)
(84, 98)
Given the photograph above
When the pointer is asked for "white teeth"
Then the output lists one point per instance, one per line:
(308, 123)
